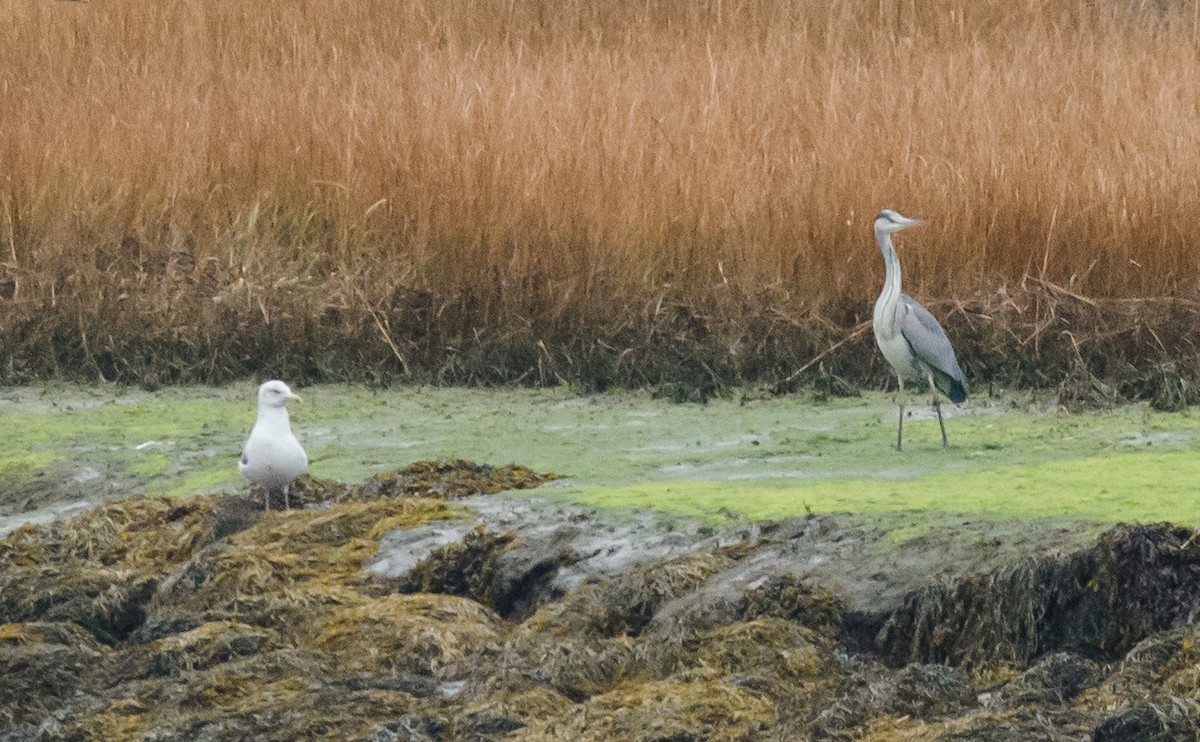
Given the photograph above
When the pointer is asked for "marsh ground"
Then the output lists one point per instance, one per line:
(1014, 460)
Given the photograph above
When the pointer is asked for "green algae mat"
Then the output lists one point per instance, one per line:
(746, 457)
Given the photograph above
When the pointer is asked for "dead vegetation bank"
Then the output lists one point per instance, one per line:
(1033, 335)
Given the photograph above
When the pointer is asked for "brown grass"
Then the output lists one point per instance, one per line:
(638, 191)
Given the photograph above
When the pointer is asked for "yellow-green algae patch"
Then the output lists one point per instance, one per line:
(213, 477)
(142, 439)
(150, 465)
(20, 467)
(1144, 486)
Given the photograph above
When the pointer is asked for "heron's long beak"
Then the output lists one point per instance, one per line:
(907, 222)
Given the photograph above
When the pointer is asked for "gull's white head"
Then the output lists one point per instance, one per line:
(890, 222)
(275, 394)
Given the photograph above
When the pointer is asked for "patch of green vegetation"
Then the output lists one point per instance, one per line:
(138, 437)
(198, 481)
(149, 465)
(747, 458)
(1139, 486)
(21, 467)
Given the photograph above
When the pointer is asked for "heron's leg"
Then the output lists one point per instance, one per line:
(900, 426)
(937, 405)
(266, 498)
(288, 506)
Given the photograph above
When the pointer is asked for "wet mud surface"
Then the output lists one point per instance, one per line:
(439, 602)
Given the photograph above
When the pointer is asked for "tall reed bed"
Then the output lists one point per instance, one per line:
(576, 190)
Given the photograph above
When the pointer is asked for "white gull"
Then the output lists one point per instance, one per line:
(272, 457)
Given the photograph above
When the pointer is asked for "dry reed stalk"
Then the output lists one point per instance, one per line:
(507, 173)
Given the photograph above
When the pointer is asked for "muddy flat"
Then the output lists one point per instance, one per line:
(731, 459)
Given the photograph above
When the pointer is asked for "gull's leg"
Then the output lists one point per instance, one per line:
(937, 405)
(900, 426)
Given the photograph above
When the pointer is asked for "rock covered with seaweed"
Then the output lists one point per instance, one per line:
(206, 618)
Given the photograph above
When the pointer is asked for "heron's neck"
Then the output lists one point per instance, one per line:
(891, 282)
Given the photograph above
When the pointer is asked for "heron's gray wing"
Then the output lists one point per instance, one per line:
(929, 344)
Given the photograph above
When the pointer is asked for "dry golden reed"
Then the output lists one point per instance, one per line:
(413, 177)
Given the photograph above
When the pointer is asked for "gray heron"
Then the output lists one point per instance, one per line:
(909, 337)
(272, 457)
